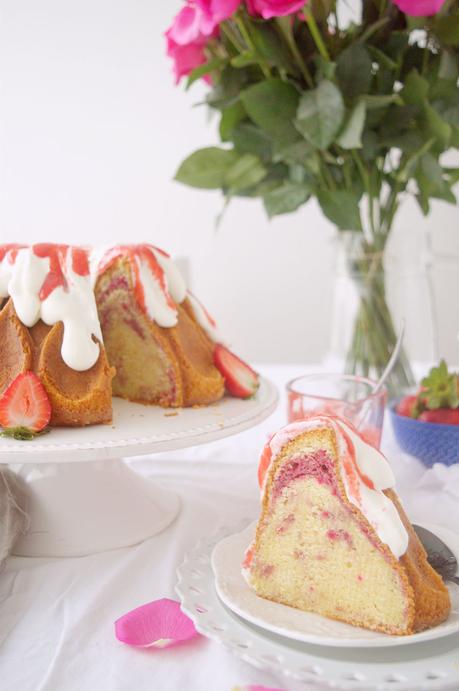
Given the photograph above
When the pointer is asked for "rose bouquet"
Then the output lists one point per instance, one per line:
(355, 115)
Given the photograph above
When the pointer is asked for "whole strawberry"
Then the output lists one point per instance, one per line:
(437, 400)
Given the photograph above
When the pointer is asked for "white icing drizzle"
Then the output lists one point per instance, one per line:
(203, 319)
(74, 305)
(377, 508)
(156, 303)
(22, 275)
(174, 280)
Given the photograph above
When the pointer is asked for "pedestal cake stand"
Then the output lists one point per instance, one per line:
(85, 499)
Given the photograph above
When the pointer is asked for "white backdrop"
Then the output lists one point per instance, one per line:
(92, 130)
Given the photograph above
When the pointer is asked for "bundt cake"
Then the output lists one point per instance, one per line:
(333, 538)
(92, 322)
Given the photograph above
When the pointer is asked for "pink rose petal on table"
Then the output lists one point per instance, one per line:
(158, 624)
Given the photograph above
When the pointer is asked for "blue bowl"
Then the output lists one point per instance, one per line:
(431, 442)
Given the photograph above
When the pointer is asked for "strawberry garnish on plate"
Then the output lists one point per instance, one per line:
(240, 379)
(25, 409)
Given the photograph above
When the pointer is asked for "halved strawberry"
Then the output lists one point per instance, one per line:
(25, 406)
(443, 416)
(240, 379)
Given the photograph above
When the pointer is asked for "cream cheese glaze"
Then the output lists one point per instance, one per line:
(377, 508)
(70, 274)
(204, 319)
(22, 277)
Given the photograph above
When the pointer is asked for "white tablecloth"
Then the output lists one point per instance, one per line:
(56, 615)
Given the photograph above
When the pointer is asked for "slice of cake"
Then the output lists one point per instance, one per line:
(333, 538)
(151, 331)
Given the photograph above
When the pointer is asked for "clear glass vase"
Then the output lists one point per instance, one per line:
(365, 326)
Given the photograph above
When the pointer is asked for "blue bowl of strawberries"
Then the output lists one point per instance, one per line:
(426, 425)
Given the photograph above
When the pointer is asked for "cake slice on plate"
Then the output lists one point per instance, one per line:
(333, 538)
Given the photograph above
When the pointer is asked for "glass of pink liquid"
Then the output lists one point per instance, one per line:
(342, 395)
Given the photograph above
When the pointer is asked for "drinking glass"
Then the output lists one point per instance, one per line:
(346, 396)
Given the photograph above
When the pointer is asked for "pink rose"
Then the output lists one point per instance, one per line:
(187, 38)
(216, 11)
(274, 8)
(185, 58)
(419, 8)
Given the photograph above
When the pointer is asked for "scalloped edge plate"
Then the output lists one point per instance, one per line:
(425, 666)
(138, 429)
(308, 627)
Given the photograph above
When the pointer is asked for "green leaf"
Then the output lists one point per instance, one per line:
(446, 29)
(325, 69)
(207, 68)
(341, 208)
(270, 47)
(429, 177)
(435, 126)
(297, 152)
(206, 168)
(246, 172)
(228, 88)
(320, 114)
(22, 433)
(415, 90)
(440, 388)
(409, 162)
(453, 174)
(272, 104)
(286, 198)
(353, 71)
(445, 101)
(350, 136)
(250, 139)
(231, 116)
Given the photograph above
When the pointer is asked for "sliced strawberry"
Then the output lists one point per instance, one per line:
(406, 406)
(240, 379)
(25, 404)
(443, 416)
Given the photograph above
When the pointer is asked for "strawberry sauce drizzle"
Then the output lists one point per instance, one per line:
(11, 250)
(57, 255)
(136, 253)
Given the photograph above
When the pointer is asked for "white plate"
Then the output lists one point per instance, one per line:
(308, 627)
(422, 666)
(139, 429)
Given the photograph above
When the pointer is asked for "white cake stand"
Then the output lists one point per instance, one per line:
(79, 508)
